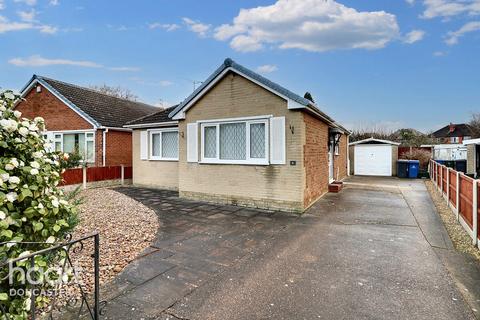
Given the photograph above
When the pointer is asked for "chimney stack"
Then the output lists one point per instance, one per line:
(452, 127)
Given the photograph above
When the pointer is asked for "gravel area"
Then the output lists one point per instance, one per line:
(126, 228)
(461, 240)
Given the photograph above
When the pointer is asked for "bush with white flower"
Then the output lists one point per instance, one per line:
(32, 208)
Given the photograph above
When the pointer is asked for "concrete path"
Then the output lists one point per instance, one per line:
(369, 252)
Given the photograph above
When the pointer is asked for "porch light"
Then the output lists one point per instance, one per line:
(335, 134)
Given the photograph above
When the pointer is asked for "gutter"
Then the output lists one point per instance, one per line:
(149, 125)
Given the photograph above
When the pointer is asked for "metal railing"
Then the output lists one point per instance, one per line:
(82, 304)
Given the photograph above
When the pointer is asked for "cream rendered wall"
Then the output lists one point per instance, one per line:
(149, 173)
(272, 186)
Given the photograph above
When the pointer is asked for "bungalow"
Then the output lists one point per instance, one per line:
(241, 139)
(453, 133)
(82, 119)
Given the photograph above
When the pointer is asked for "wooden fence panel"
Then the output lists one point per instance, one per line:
(128, 172)
(103, 173)
(465, 205)
(72, 176)
(444, 179)
(453, 188)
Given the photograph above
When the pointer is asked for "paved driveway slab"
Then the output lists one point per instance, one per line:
(368, 252)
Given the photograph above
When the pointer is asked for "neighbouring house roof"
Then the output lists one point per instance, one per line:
(156, 119)
(373, 140)
(100, 109)
(294, 100)
(453, 130)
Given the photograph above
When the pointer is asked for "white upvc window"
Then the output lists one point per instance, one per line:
(235, 142)
(163, 144)
(74, 141)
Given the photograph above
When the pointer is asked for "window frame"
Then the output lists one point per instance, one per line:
(248, 159)
(150, 144)
(59, 139)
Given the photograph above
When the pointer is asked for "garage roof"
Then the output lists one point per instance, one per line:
(369, 140)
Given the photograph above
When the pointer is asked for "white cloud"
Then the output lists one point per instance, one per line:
(28, 16)
(449, 8)
(165, 26)
(439, 53)
(9, 26)
(196, 26)
(27, 2)
(127, 69)
(414, 36)
(410, 2)
(312, 25)
(267, 68)
(54, 2)
(38, 61)
(453, 36)
(161, 83)
(2, 5)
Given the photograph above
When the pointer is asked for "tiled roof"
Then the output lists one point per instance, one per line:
(157, 117)
(103, 109)
(460, 130)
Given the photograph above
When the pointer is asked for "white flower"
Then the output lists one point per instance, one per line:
(5, 176)
(23, 131)
(25, 123)
(11, 196)
(34, 172)
(32, 133)
(37, 154)
(40, 206)
(2, 108)
(64, 202)
(55, 173)
(18, 140)
(55, 202)
(24, 219)
(14, 161)
(9, 95)
(2, 215)
(10, 125)
(66, 156)
(9, 166)
(17, 114)
(34, 164)
(38, 119)
(14, 180)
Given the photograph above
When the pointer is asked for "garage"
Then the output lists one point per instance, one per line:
(373, 157)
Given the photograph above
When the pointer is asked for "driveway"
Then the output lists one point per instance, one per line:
(377, 250)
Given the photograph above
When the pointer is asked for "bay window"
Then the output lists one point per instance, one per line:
(164, 144)
(235, 142)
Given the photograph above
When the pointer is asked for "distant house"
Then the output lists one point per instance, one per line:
(82, 119)
(453, 133)
(242, 139)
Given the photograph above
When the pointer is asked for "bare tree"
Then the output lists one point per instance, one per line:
(118, 91)
(475, 124)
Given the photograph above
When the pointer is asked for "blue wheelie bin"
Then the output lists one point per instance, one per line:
(413, 167)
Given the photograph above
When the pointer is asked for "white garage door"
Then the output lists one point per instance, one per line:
(373, 160)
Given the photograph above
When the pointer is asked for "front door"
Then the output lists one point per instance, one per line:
(330, 164)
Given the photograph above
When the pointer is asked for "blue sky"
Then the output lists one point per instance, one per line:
(402, 63)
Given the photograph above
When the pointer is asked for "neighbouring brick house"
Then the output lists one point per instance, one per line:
(241, 139)
(453, 133)
(83, 119)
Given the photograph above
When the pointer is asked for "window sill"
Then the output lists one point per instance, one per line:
(233, 162)
(163, 159)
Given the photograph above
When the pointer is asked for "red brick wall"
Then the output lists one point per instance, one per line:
(99, 148)
(315, 159)
(340, 162)
(57, 115)
(119, 148)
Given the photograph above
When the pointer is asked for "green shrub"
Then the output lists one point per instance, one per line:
(32, 208)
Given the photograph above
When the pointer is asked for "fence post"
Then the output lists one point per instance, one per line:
(475, 211)
(441, 180)
(84, 173)
(448, 185)
(457, 201)
(122, 174)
